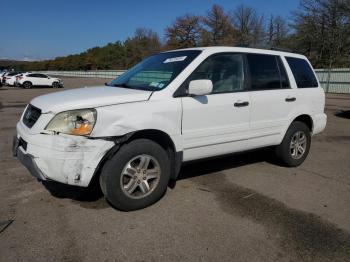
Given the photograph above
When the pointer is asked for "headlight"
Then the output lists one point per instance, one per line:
(75, 122)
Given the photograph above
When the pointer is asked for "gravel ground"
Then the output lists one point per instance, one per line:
(240, 207)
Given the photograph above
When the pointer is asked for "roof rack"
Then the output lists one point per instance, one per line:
(266, 48)
(282, 49)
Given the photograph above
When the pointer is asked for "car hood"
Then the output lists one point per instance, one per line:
(88, 97)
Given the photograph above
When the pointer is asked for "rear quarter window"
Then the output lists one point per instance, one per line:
(302, 72)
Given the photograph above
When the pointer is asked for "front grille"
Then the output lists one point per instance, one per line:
(31, 115)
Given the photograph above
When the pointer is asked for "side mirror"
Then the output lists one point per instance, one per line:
(200, 87)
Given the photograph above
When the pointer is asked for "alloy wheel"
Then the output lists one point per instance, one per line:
(140, 176)
(298, 144)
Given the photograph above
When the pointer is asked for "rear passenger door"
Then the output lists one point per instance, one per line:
(271, 97)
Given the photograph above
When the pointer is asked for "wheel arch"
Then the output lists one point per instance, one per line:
(158, 136)
(302, 117)
(27, 81)
(306, 119)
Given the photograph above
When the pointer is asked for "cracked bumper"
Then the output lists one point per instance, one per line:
(26, 160)
(63, 158)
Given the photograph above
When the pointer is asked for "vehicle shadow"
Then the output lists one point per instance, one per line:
(220, 163)
(343, 114)
(92, 197)
(89, 194)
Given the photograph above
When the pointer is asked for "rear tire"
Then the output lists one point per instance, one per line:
(295, 145)
(136, 176)
(27, 85)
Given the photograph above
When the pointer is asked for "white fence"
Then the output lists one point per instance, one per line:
(110, 74)
(332, 81)
(335, 80)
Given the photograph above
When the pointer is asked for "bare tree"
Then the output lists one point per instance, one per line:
(277, 31)
(218, 29)
(185, 32)
(249, 25)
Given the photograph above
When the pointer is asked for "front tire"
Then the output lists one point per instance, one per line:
(136, 176)
(56, 85)
(295, 145)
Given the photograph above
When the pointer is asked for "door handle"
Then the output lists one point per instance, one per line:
(290, 99)
(241, 104)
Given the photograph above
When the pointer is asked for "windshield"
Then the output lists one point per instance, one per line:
(155, 72)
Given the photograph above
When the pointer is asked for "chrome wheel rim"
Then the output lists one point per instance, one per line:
(298, 144)
(140, 176)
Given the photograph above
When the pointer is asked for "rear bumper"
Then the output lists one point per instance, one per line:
(320, 121)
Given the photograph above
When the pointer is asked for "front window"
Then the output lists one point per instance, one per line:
(226, 72)
(156, 72)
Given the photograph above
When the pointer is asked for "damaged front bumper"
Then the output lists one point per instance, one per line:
(63, 158)
(26, 159)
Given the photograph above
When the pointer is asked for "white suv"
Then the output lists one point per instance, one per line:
(29, 80)
(133, 135)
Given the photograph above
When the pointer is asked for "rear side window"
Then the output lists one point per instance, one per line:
(303, 74)
(41, 76)
(267, 72)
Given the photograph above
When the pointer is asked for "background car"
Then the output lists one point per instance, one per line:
(29, 80)
(10, 78)
(2, 74)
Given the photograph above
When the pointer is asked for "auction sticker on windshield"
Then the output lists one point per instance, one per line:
(175, 59)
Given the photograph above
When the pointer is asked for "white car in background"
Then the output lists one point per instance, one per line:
(2, 74)
(29, 80)
(10, 78)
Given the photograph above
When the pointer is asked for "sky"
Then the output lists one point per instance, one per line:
(38, 29)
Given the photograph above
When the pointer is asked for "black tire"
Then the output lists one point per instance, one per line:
(56, 85)
(284, 151)
(27, 85)
(111, 175)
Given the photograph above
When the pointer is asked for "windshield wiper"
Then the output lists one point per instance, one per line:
(124, 85)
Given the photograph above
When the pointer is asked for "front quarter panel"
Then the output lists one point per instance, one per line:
(118, 120)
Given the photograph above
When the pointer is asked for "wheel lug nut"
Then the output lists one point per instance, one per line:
(144, 171)
(138, 182)
(144, 178)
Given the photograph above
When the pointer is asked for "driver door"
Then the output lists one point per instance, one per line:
(217, 123)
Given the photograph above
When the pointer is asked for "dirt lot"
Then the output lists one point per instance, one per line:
(236, 208)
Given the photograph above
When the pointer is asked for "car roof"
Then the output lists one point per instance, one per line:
(13, 73)
(220, 49)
